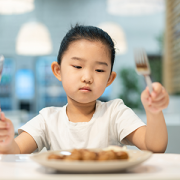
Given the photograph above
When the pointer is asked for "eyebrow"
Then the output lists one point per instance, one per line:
(81, 59)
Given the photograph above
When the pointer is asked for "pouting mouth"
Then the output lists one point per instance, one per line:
(85, 88)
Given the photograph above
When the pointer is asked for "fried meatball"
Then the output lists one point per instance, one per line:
(107, 155)
(122, 155)
(89, 155)
(55, 156)
(75, 155)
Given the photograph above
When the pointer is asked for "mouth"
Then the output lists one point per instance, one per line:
(85, 89)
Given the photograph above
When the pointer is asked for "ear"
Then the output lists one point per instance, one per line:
(111, 78)
(56, 70)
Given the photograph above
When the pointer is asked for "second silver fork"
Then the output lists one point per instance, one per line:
(142, 66)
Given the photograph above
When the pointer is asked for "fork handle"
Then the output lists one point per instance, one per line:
(149, 83)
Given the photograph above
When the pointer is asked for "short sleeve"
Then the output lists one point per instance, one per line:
(36, 128)
(125, 121)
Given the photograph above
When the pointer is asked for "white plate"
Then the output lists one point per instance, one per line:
(135, 157)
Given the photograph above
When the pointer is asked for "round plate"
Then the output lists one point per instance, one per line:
(135, 157)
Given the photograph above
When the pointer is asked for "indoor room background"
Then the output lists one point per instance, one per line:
(30, 36)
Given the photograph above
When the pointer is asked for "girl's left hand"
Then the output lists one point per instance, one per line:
(157, 100)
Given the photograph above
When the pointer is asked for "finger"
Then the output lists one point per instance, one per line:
(146, 97)
(145, 93)
(158, 103)
(2, 117)
(165, 104)
(2, 138)
(4, 124)
(162, 105)
(162, 95)
(158, 97)
(157, 89)
(3, 132)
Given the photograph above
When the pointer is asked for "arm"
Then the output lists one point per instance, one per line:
(23, 144)
(26, 143)
(154, 136)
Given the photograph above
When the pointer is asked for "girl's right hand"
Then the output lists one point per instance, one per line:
(6, 133)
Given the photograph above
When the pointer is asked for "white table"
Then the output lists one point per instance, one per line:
(159, 166)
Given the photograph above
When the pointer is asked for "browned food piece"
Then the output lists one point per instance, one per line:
(86, 155)
(75, 155)
(122, 155)
(107, 155)
(55, 156)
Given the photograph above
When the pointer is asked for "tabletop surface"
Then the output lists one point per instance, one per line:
(158, 166)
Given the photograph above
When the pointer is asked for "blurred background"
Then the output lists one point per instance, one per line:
(30, 36)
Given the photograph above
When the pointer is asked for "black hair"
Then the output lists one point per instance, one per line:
(90, 33)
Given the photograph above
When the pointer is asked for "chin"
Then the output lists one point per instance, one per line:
(83, 101)
(86, 102)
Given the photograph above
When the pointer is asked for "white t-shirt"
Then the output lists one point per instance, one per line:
(110, 124)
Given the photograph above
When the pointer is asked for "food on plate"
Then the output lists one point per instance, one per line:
(88, 155)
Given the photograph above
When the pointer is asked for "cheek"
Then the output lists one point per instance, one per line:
(101, 83)
(103, 80)
(102, 87)
(68, 79)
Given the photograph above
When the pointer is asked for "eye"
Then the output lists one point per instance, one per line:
(77, 67)
(99, 70)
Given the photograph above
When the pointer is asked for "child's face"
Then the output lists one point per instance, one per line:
(85, 70)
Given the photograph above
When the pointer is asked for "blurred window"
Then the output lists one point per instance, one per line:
(49, 91)
(6, 85)
(24, 84)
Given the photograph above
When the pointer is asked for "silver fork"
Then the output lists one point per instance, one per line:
(142, 66)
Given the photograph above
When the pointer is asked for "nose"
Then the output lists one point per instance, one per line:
(87, 77)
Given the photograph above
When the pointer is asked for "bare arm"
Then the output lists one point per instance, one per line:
(154, 136)
(26, 143)
(150, 137)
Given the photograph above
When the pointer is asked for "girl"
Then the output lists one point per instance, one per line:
(84, 65)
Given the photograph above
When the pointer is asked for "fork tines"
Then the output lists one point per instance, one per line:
(142, 67)
(141, 61)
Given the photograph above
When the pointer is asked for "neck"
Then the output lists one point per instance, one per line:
(80, 111)
(79, 108)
